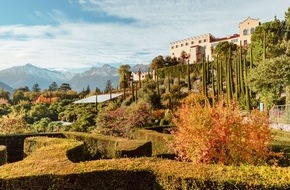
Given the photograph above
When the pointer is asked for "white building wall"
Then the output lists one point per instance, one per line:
(136, 76)
(207, 42)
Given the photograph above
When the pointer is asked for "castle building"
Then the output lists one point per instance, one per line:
(200, 47)
(135, 76)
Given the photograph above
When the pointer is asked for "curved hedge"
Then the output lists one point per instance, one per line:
(14, 144)
(3, 155)
(48, 167)
(161, 143)
(104, 147)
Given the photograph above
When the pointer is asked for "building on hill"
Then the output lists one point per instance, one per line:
(135, 76)
(202, 46)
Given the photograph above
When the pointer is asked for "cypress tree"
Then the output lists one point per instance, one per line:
(204, 82)
(237, 87)
(230, 73)
(241, 70)
(169, 89)
(188, 76)
(157, 82)
(207, 70)
(228, 91)
(246, 87)
(251, 66)
(218, 76)
(124, 85)
(212, 80)
(132, 88)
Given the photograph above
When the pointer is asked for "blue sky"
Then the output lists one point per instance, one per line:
(78, 34)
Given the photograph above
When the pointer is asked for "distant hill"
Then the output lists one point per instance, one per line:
(142, 67)
(5, 87)
(27, 75)
(95, 77)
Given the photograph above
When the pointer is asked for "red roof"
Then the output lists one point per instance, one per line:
(225, 38)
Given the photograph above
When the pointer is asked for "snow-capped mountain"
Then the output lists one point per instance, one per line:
(27, 75)
(95, 77)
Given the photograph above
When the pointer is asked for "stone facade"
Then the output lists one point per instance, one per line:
(200, 47)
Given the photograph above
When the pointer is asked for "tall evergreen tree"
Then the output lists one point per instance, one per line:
(36, 88)
(53, 86)
(108, 87)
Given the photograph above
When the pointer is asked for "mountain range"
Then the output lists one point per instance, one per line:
(28, 75)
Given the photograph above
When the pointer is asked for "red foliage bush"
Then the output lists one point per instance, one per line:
(219, 133)
(120, 121)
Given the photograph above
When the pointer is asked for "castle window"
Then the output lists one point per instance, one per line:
(172, 54)
(235, 40)
(181, 45)
(199, 41)
(245, 32)
(252, 30)
(176, 46)
(204, 40)
(192, 42)
(172, 47)
(186, 44)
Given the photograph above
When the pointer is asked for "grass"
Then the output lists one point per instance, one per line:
(281, 137)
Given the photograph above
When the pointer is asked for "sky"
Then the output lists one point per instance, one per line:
(75, 35)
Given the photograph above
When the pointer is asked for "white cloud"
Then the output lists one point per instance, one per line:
(76, 45)
(157, 23)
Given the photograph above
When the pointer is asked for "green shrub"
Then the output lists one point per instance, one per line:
(41, 125)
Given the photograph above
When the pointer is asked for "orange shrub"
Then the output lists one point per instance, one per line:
(43, 99)
(219, 133)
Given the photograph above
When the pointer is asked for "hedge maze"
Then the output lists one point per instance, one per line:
(87, 161)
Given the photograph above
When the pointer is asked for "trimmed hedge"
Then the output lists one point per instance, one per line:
(104, 147)
(100, 180)
(14, 144)
(75, 154)
(3, 155)
(47, 167)
(95, 146)
(161, 143)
